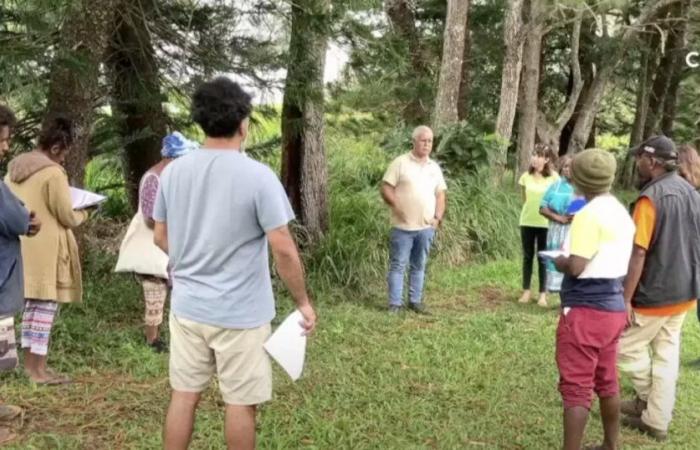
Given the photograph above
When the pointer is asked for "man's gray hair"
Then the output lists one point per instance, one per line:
(419, 130)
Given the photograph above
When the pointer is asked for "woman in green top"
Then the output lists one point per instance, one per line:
(533, 226)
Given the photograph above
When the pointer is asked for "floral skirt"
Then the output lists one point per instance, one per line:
(555, 241)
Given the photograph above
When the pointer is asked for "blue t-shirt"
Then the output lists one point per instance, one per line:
(558, 196)
(218, 205)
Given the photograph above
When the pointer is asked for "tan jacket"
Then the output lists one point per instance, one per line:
(51, 260)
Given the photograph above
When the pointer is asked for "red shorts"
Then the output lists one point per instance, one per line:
(586, 354)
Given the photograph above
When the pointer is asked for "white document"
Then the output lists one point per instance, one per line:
(84, 199)
(552, 254)
(287, 345)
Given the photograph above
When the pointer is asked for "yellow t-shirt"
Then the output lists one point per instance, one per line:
(535, 187)
(417, 185)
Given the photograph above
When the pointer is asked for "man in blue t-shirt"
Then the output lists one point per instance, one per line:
(215, 214)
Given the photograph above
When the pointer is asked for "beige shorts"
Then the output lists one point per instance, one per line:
(237, 356)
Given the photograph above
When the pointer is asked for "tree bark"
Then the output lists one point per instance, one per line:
(678, 51)
(510, 80)
(465, 85)
(447, 101)
(648, 67)
(304, 171)
(530, 83)
(593, 96)
(403, 21)
(74, 81)
(136, 92)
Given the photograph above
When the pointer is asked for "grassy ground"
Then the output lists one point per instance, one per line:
(478, 373)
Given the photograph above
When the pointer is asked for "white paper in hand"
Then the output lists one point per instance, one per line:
(84, 199)
(287, 345)
(552, 254)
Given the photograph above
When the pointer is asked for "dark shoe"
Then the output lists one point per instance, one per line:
(636, 423)
(395, 309)
(418, 308)
(633, 408)
(158, 346)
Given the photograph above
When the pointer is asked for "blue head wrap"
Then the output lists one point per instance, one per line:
(176, 145)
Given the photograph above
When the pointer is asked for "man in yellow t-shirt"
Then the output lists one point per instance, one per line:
(414, 188)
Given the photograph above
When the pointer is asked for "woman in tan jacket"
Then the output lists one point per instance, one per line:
(51, 263)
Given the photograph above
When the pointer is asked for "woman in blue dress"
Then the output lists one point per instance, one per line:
(555, 207)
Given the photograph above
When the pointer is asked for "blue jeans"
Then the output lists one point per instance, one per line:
(413, 247)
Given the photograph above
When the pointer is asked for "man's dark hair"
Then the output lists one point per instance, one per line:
(56, 130)
(219, 106)
(7, 117)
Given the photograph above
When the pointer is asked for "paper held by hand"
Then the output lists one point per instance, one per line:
(552, 254)
(85, 199)
(287, 345)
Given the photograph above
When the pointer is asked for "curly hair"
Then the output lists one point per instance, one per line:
(544, 151)
(7, 117)
(689, 164)
(220, 106)
(57, 130)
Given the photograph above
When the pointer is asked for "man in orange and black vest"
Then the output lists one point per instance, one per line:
(662, 285)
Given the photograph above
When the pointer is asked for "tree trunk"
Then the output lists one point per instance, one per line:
(136, 92)
(677, 52)
(466, 84)
(530, 83)
(510, 80)
(403, 20)
(447, 101)
(591, 101)
(646, 74)
(304, 172)
(551, 133)
(74, 83)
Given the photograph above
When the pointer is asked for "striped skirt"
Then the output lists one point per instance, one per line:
(555, 241)
(37, 321)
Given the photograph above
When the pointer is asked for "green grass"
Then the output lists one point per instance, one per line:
(478, 373)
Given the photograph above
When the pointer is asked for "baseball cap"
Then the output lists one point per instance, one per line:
(659, 147)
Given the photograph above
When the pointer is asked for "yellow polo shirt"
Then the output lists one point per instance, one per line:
(416, 185)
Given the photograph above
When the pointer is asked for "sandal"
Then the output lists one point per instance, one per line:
(9, 412)
(6, 435)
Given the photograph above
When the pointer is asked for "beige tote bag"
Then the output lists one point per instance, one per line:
(138, 253)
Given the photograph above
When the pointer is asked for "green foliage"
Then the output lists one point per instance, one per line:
(463, 150)
(104, 175)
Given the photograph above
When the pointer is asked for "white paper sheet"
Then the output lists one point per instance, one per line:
(84, 199)
(287, 345)
(552, 254)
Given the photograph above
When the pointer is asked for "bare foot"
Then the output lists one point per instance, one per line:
(525, 298)
(6, 435)
(542, 302)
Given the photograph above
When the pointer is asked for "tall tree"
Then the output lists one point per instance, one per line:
(530, 81)
(590, 104)
(74, 85)
(551, 133)
(447, 102)
(136, 92)
(304, 171)
(510, 79)
(403, 20)
(677, 51)
(465, 84)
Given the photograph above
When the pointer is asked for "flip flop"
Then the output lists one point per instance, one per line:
(9, 412)
(6, 435)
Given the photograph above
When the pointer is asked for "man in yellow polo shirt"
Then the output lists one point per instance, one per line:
(414, 188)
(662, 284)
